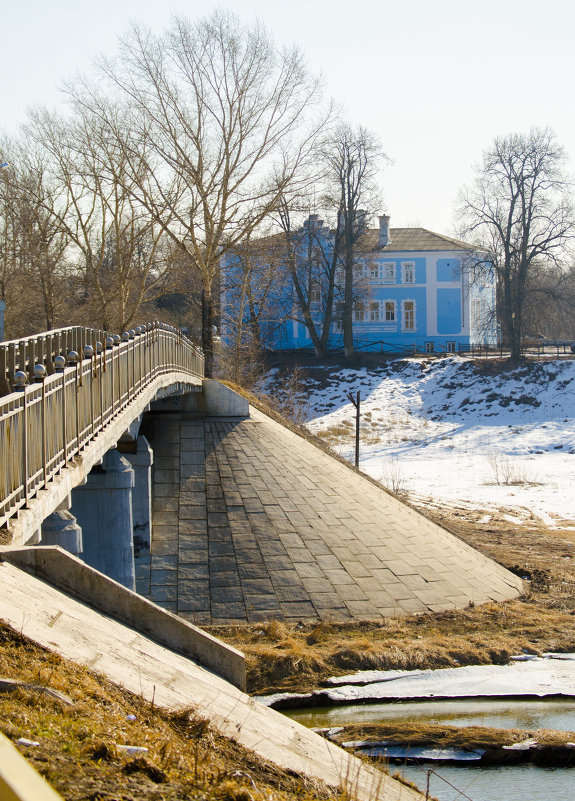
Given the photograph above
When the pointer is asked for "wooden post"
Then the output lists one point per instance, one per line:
(356, 402)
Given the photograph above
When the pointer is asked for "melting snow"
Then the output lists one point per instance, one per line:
(553, 674)
(447, 435)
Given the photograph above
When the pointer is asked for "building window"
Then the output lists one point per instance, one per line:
(479, 315)
(389, 311)
(429, 347)
(408, 269)
(358, 313)
(374, 272)
(315, 294)
(374, 311)
(388, 269)
(450, 347)
(408, 315)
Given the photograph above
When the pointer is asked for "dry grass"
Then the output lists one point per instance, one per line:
(307, 654)
(444, 736)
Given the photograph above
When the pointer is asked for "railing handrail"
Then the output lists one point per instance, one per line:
(22, 355)
(52, 408)
(52, 331)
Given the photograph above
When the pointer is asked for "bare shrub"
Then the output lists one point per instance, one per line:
(506, 472)
(393, 477)
(292, 396)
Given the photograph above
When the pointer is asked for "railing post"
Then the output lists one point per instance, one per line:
(60, 367)
(39, 376)
(25, 444)
(89, 354)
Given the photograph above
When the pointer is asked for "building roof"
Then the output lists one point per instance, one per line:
(402, 239)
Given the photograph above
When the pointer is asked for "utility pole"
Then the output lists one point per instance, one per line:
(356, 402)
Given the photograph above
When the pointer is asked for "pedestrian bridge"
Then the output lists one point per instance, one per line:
(118, 450)
(66, 398)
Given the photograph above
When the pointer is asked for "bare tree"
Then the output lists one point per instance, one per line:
(116, 243)
(311, 255)
(353, 158)
(254, 285)
(518, 210)
(225, 121)
(33, 262)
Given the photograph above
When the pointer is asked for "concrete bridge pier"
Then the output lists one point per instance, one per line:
(61, 528)
(141, 458)
(103, 508)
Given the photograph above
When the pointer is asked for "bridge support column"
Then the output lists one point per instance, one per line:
(141, 462)
(61, 528)
(103, 508)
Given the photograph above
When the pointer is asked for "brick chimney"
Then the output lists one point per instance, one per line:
(383, 231)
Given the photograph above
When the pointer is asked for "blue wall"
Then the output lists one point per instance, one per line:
(448, 311)
(448, 270)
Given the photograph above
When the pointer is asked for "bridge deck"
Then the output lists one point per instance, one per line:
(253, 522)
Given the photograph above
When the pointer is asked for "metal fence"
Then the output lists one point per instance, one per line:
(63, 387)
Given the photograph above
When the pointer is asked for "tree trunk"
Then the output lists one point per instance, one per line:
(348, 290)
(207, 331)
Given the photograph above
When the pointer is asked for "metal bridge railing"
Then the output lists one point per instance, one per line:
(63, 387)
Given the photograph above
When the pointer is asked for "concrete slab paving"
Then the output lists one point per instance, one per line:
(261, 500)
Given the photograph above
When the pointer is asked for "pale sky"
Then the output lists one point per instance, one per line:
(436, 81)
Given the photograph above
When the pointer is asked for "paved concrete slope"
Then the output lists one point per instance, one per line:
(253, 522)
(129, 659)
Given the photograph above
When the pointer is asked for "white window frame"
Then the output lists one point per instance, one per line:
(388, 272)
(393, 304)
(451, 346)
(478, 309)
(359, 313)
(408, 270)
(315, 294)
(430, 347)
(403, 320)
(374, 312)
(374, 273)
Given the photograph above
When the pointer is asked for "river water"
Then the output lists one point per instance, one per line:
(548, 714)
(515, 783)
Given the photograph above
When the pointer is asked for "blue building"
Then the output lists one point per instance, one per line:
(413, 290)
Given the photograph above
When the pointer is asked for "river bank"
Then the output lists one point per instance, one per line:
(440, 744)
